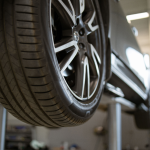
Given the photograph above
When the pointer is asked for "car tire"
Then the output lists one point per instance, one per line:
(33, 87)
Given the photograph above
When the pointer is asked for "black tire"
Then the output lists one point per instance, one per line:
(31, 85)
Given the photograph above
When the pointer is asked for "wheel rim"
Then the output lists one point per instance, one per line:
(77, 45)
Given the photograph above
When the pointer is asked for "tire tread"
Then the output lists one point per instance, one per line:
(26, 89)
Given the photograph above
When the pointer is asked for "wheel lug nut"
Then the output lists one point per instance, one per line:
(81, 32)
(81, 46)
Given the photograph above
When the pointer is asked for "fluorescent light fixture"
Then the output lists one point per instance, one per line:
(137, 16)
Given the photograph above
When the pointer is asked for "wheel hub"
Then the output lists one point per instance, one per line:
(81, 30)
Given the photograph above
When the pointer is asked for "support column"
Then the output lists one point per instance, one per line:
(114, 127)
(3, 116)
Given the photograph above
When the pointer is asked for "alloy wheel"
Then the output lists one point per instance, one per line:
(77, 44)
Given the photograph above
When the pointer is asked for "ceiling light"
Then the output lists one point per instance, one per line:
(137, 16)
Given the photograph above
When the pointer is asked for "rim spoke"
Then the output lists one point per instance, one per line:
(86, 74)
(82, 6)
(92, 28)
(70, 45)
(83, 77)
(79, 75)
(71, 15)
(70, 56)
(91, 62)
(96, 58)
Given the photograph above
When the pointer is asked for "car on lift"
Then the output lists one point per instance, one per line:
(56, 57)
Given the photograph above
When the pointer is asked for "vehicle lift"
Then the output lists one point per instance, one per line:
(3, 117)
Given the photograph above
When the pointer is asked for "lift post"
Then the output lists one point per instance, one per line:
(3, 116)
(115, 106)
(114, 127)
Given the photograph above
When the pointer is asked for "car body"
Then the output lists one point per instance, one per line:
(128, 68)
